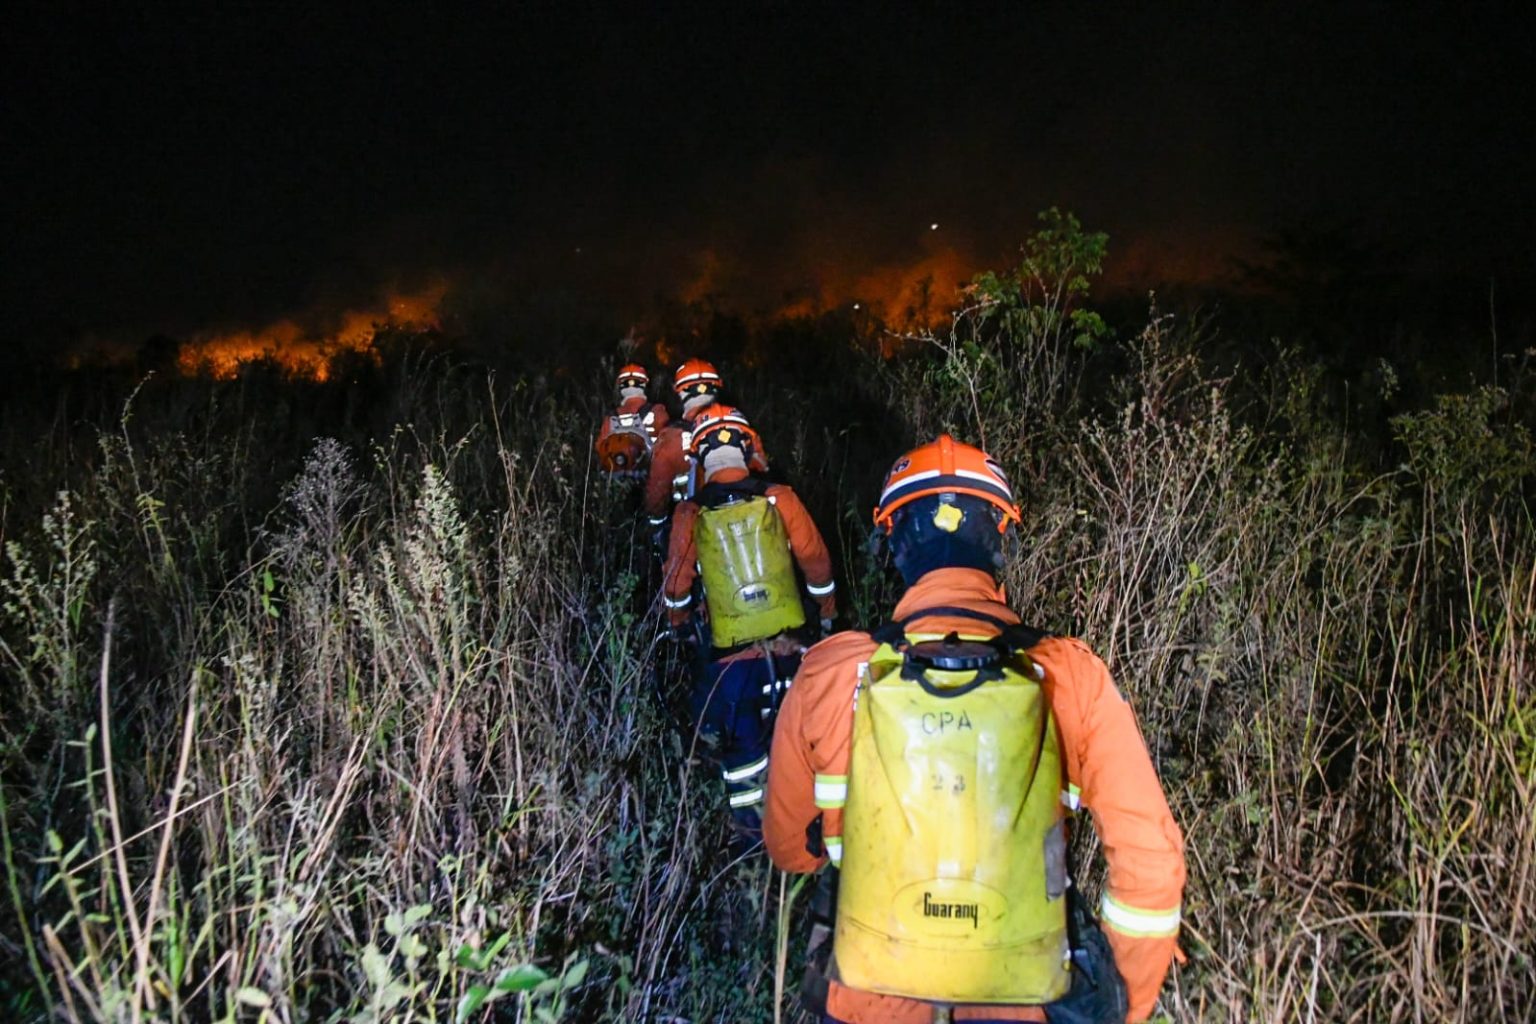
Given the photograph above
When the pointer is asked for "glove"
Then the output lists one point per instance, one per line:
(1098, 992)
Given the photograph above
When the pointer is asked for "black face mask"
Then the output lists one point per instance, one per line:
(918, 545)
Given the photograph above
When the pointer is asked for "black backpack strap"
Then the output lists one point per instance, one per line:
(715, 494)
(1016, 635)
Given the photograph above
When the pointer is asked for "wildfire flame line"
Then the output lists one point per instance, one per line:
(306, 353)
(916, 294)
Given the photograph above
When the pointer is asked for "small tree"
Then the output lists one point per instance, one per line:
(1036, 304)
(1012, 346)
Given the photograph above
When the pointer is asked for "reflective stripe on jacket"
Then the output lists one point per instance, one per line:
(1109, 772)
(805, 542)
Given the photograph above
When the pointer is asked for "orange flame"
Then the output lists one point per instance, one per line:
(906, 295)
(308, 354)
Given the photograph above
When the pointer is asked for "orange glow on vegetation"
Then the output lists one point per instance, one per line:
(667, 353)
(706, 282)
(919, 295)
(912, 296)
(307, 353)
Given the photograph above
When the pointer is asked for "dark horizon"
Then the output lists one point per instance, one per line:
(234, 168)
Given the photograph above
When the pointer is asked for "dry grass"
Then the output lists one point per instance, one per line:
(1332, 666)
(359, 731)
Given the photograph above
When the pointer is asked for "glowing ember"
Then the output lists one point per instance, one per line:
(308, 353)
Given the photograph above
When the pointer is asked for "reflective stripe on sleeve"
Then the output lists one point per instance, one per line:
(1135, 921)
(1072, 797)
(657, 520)
(834, 845)
(746, 771)
(747, 797)
(682, 602)
(831, 791)
(822, 591)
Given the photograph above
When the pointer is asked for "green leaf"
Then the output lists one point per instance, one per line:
(520, 978)
(248, 996)
(375, 966)
(392, 995)
(575, 975)
(473, 998)
(176, 952)
(412, 946)
(479, 959)
(497, 946)
(414, 915)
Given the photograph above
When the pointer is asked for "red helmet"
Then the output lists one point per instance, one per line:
(718, 424)
(696, 377)
(632, 375)
(945, 466)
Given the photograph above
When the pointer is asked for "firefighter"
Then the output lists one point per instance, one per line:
(625, 439)
(697, 384)
(936, 762)
(741, 538)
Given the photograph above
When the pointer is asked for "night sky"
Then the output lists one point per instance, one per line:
(224, 167)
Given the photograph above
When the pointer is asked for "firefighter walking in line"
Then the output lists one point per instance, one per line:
(697, 384)
(935, 763)
(625, 439)
(742, 537)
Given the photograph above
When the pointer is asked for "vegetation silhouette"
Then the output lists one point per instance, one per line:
(340, 699)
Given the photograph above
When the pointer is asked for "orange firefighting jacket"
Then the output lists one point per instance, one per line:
(1108, 770)
(669, 460)
(805, 543)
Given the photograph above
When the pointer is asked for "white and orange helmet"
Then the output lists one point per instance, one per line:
(719, 425)
(694, 378)
(632, 375)
(945, 467)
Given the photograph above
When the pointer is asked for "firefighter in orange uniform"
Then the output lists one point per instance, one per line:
(697, 384)
(625, 439)
(742, 537)
(968, 831)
